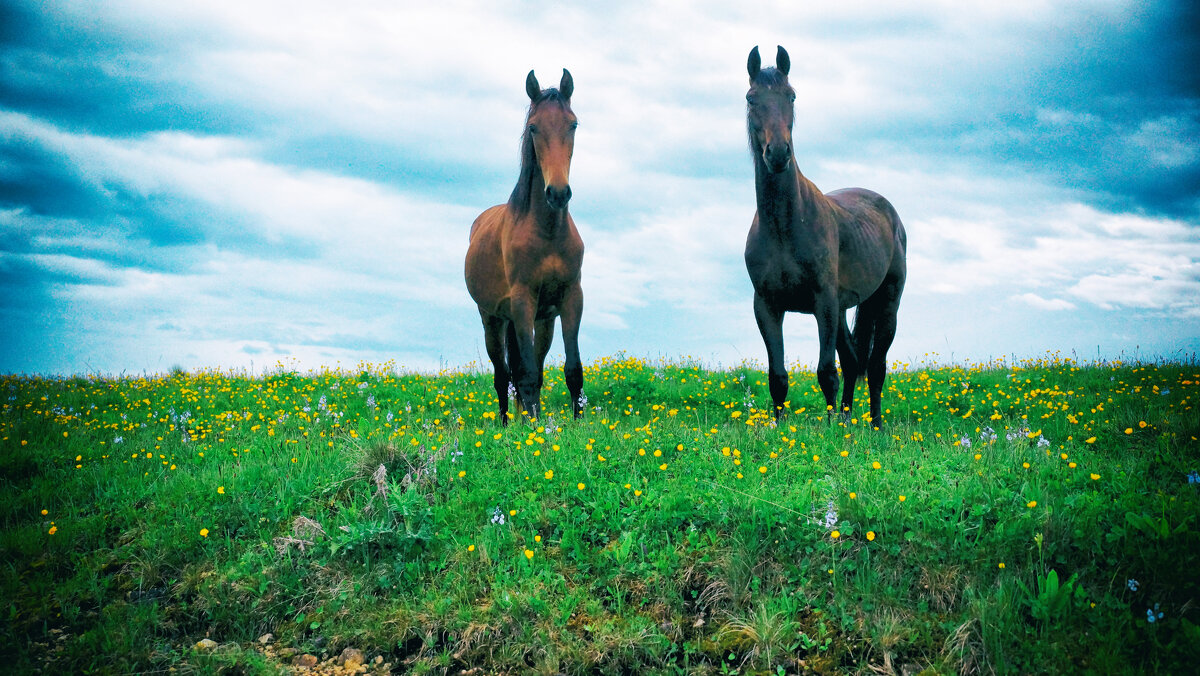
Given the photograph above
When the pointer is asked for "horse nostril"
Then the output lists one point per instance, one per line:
(558, 197)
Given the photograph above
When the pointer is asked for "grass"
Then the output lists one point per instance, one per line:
(1009, 518)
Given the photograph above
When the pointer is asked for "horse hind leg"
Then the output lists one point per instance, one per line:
(851, 365)
(874, 333)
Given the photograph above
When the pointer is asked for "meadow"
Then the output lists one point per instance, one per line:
(1032, 516)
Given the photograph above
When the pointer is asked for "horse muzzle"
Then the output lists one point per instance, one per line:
(777, 156)
(557, 197)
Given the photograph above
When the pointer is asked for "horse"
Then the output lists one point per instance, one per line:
(524, 258)
(818, 254)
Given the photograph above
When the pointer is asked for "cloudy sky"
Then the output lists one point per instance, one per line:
(232, 184)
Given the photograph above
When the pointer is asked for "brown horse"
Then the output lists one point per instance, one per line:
(523, 262)
(818, 254)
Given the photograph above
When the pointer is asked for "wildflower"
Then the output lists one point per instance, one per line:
(462, 473)
(762, 469)
(54, 529)
(1153, 614)
(471, 548)
(529, 553)
(1132, 584)
(1031, 504)
(870, 536)
(1001, 564)
(1193, 477)
(835, 534)
(45, 512)
(831, 515)
(549, 474)
(902, 498)
(853, 495)
(1095, 477)
(221, 490)
(580, 485)
(1090, 440)
(965, 442)
(876, 465)
(498, 516)
(1043, 441)
(203, 532)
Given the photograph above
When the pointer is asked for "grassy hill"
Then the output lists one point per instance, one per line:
(1012, 518)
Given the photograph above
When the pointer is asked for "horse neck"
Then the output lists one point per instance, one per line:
(787, 199)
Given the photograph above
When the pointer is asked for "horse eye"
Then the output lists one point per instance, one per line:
(533, 129)
(574, 126)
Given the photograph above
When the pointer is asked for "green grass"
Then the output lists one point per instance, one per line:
(993, 525)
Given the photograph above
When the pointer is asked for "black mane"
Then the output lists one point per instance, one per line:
(519, 200)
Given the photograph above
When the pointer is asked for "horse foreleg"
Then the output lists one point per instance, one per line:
(850, 365)
(493, 338)
(572, 313)
(770, 325)
(528, 375)
(826, 312)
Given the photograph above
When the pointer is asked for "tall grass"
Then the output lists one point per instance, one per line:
(1037, 517)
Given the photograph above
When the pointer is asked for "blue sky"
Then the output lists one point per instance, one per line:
(230, 185)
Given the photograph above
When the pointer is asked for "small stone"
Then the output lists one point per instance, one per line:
(305, 661)
(379, 659)
(206, 644)
(351, 658)
(266, 639)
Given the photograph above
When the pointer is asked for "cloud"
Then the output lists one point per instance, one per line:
(205, 183)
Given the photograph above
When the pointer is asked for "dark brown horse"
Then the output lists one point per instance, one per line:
(818, 254)
(523, 262)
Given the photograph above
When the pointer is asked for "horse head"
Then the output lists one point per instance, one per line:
(770, 110)
(551, 130)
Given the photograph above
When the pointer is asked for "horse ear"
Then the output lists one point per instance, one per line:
(532, 87)
(783, 62)
(754, 63)
(567, 86)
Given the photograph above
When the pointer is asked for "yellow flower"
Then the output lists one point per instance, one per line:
(462, 473)
(53, 530)
(203, 532)
(870, 535)
(529, 553)
(1090, 440)
(637, 493)
(471, 548)
(601, 458)
(835, 534)
(580, 485)
(725, 451)
(537, 538)
(876, 465)
(853, 495)
(816, 458)
(1001, 564)
(1095, 477)
(735, 414)
(45, 512)
(978, 456)
(221, 490)
(512, 512)
(663, 467)
(1025, 465)
(845, 453)
(549, 474)
(762, 469)
(1128, 430)
(902, 498)
(1031, 504)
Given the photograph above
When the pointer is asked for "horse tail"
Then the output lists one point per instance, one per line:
(864, 331)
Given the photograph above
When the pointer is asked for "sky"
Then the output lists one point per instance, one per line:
(239, 185)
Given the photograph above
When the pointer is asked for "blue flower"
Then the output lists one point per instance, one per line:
(1153, 615)
(1132, 584)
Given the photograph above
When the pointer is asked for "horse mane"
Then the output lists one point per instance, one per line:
(519, 201)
